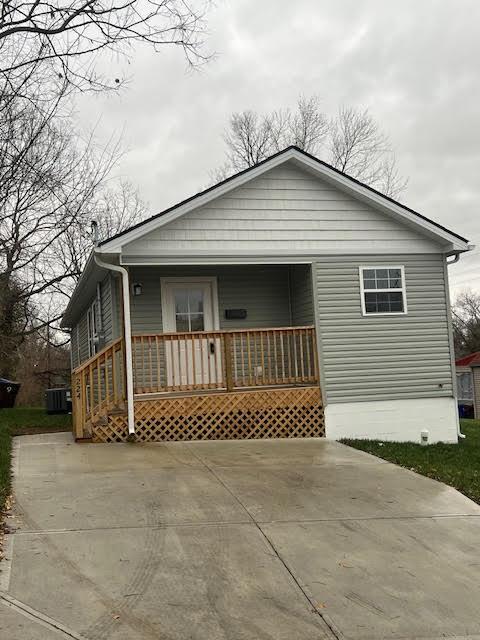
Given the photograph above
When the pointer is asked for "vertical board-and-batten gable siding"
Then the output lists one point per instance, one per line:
(262, 290)
(383, 357)
(285, 209)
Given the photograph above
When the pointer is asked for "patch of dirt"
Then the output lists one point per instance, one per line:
(4, 528)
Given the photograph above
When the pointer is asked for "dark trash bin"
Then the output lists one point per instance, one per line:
(466, 410)
(8, 393)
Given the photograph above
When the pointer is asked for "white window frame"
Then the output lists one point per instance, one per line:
(471, 385)
(211, 280)
(401, 290)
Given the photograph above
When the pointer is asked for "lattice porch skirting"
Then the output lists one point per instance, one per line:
(267, 413)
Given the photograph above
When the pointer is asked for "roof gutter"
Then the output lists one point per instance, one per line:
(456, 254)
(128, 339)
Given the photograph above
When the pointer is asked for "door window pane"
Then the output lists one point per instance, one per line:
(195, 301)
(182, 323)
(196, 322)
(181, 301)
(189, 309)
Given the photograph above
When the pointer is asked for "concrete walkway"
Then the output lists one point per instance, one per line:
(247, 540)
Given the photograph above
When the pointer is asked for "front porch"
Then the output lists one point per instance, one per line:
(225, 351)
(249, 383)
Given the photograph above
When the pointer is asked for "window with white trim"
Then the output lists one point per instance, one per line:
(383, 290)
(465, 386)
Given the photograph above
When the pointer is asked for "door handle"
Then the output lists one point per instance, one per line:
(212, 347)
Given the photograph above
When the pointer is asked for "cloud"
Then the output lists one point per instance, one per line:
(414, 65)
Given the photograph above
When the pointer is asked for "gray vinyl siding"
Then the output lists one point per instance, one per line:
(83, 335)
(106, 309)
(74, 348)
(117, 314)
(284, 210)
(383, 357)
(301, 295)
(79, 333)
(262, 290)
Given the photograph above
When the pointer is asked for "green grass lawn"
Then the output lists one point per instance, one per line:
(456, 465)
(14, 422)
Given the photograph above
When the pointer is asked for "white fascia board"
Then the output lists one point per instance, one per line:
(245, 257)
(343, 182)
(218, 259)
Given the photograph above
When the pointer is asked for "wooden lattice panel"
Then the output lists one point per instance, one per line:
(268, 413)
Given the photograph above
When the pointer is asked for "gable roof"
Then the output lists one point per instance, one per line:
(340, 179)
(472, 360)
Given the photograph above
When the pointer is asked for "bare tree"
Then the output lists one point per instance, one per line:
(351, 142)
(114, 209)
(358, 147)
(249, 140)
(466, 323)
(41, 364)
(50, 181)
(252, 137)
(53, 181)
(69, 34)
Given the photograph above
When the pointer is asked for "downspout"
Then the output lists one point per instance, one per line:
(128, 340)
(459, 432)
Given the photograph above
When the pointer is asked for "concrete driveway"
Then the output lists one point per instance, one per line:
(284, 540)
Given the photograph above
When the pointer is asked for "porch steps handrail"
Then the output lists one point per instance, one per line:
(96, 356)
(98, 386)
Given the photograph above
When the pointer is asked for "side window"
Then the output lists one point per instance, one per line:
(383, 290)
(465, 386)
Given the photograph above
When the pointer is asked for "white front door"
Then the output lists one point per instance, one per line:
(189, 307)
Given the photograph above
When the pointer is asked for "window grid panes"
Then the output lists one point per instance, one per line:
(383, 290)
(189, 310)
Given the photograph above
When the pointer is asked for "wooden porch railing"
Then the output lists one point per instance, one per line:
(98, 385)
(181, 362)
(224, 360)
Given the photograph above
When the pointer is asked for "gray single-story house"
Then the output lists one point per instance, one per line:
(288, 300)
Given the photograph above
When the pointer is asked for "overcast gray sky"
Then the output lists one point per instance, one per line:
(414, 64)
